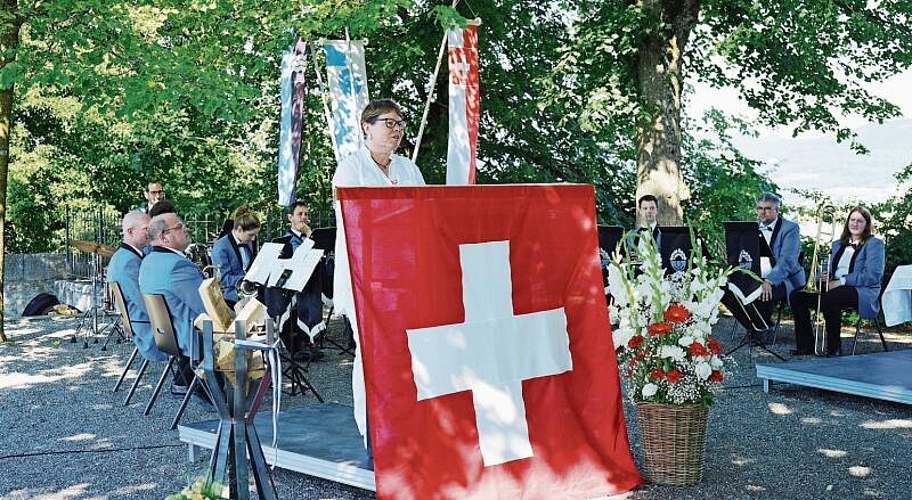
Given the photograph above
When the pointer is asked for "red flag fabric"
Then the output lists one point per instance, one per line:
(488, 359)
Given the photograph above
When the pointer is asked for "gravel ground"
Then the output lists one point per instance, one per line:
(66, 436)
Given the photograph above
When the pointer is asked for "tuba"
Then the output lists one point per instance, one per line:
(826, 228)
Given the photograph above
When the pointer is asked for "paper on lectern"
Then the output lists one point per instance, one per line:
(297, 270)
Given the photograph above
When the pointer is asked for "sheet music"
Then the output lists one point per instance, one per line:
(266, 263)
(297, 270)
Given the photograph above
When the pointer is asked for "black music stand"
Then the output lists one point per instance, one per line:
(325, 239)
(675, 247)
(742, 250)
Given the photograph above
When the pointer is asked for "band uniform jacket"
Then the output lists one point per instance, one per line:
(124, 269)
(865, 273)
(785, 247)
(178, 279)
(226, 254)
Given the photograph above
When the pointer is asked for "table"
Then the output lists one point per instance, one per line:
(897, 297)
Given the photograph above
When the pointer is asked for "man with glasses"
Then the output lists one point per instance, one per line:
(780, 245)
(154, 193)
(167, 271)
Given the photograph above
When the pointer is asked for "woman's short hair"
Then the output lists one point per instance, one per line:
(867, 233)
(377, 108)
(244, 219)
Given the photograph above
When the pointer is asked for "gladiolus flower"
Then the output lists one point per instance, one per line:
(715, 376)
(673, 376)
(676, 313)
(658, 329)
(714, 346)
(697, 349)
(657, 373)
(635, 341)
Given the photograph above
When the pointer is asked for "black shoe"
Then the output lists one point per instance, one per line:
(800, 352)
(834, 353)
(178, 390)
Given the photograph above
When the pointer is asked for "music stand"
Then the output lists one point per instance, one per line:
(674, 247)
(325, 239)
(742, 250)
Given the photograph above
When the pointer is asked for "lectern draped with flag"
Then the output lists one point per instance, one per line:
(487, 351)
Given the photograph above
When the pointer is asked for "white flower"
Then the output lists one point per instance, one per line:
(650, 389)
(703, 370)
(621, 336)
(672, 351)
(715, 362)
(685, 341)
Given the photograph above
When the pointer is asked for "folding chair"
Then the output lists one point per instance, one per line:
(876, 319)
(166, 341)
(120, 304)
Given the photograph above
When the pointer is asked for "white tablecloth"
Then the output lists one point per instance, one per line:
(897, 298)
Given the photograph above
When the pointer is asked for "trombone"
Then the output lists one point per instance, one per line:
(826, 228)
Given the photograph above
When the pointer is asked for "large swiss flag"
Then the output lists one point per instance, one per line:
(489, 365)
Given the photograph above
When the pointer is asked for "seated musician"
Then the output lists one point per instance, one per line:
(234, 252)
(306, 305)
(167, 271)
(851, 281)
(124, 269)
(648, 211)
(779, 248)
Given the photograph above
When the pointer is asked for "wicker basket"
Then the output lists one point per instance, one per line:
(674, 437)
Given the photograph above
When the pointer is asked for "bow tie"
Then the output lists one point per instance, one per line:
(766, 228)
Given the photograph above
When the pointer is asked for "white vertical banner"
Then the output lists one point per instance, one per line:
(464, 104)
(292, 90)
(347, 82)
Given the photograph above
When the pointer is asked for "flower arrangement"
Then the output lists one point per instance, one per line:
(663, 338)
(200, 489)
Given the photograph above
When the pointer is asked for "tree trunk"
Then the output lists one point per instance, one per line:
(9, 41)
(660, 81)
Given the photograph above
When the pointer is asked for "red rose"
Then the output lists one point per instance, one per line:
(658, 329)
(715, 376)
(657, 373)
(714, 346)
(673, 376)
(697, 349)
(676, 313)
(635, 341)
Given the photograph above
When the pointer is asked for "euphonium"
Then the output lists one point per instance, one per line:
(825, 215)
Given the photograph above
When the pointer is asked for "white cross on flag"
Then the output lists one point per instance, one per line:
(487, 352)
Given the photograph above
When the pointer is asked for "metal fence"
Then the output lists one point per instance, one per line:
(103, 227)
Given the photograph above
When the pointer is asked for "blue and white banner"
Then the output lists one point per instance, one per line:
(292, 87)
(347, 82)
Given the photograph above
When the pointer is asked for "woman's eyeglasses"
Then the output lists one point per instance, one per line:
(390, 123)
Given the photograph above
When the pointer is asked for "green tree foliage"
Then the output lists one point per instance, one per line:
(797, 62)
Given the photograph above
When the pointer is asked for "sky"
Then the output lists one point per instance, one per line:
(816, 161)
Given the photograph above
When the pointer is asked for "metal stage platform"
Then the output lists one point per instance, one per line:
(885, 375)
(320, 440)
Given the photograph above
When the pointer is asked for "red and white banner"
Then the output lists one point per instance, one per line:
(488, 359)
(464, 104)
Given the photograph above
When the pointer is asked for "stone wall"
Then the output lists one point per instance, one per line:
(27, 275)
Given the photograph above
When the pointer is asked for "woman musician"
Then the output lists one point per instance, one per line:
(851, 281)
(234, 252)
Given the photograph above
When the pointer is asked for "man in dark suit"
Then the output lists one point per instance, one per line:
(306, 305)
(153, 193)
(124, 269)
(647, 216)
(780, 244)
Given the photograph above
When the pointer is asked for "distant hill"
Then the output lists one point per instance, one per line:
(820, 163)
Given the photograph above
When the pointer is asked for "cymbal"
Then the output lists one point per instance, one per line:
(92, 247)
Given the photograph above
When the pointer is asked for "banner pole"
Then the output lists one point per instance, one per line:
(430, 91)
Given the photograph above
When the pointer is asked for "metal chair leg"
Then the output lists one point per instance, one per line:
(158, 386)
(880, 332)
(142, 370)
(123, 374)
(183, 405)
